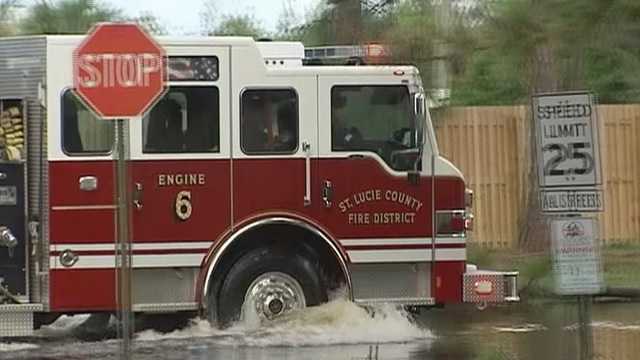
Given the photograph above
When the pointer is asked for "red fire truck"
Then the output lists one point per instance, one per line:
(256, 180)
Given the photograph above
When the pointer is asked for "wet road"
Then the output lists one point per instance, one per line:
(340, 330)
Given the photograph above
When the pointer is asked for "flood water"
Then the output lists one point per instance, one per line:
(341, 330)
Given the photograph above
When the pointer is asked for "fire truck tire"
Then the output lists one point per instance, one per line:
(272, 282)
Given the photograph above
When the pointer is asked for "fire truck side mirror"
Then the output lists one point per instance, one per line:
(418, 104)
(419, 109)
(413, 177)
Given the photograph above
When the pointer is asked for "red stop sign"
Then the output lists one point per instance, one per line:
(119, 70)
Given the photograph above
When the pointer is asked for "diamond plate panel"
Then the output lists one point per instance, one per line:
(483, 287)
(15, 323)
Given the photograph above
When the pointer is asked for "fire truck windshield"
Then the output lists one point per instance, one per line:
(378, 119)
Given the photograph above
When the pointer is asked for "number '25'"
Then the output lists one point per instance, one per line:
(568, 152)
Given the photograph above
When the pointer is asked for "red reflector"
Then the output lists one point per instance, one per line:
(458, 223)
(468, 222)
(483, 287)
(451, 222)
(398, 72)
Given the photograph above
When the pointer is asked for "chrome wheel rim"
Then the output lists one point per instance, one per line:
(274, 294)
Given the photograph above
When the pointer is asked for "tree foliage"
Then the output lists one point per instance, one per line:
(66, 16)
(239, 25)
(317, 29)
(215, 23)
(499, 52)
(412, 35)
(530, 46)
(150, 23)
(288, 25)
(7, 20)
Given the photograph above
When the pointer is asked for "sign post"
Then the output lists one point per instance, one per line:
(570, 179)
(119, 72)
(123, 246)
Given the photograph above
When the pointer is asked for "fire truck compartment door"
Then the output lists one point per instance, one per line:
(13, 244)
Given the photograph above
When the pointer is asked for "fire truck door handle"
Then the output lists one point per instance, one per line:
(137, 196)
(327, 193)
(306, 147)
(88, 183)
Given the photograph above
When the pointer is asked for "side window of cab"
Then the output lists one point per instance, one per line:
(83, 133)
(269, 121)
(185, 120)
(377, 119)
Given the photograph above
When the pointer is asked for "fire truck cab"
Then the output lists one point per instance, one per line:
(256, 179)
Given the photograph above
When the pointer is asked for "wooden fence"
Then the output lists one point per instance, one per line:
(491, 147)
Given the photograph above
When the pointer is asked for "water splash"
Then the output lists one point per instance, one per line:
(524, 328)
(615, 326)
(338, 322)
(62, 327)
(9, 347)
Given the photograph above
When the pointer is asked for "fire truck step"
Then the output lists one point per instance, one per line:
(17, 320)
(397, 301)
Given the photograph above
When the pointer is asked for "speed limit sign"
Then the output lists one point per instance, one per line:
(568, 154)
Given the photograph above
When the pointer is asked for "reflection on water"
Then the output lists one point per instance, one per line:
(526, 332)
(340, 330)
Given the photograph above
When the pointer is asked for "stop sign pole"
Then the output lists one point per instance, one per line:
(119, 72)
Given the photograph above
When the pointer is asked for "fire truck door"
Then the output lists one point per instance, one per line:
(370, 204)
(81, 217)
(275, 148)
(180, 163)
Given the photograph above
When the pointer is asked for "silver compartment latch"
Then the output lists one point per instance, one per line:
(137, 196)
(7, 239)
(327, 193)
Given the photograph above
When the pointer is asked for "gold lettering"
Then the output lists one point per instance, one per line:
(369, 195)
(181, 179)
(408, 200)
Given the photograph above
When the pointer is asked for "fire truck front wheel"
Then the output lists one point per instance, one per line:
(267, 283)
